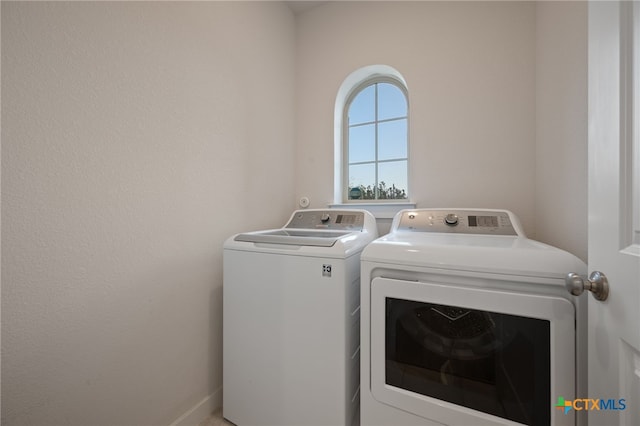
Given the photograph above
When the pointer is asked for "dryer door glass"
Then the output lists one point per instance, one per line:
(466, 355)
(487, 361)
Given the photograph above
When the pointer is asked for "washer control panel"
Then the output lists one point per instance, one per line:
(483, 222)
(345, 220)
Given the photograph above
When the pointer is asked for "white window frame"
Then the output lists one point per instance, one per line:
(374, 81)
(381, 209)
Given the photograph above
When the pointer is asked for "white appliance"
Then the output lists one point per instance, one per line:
(465, 321)
(291, 320)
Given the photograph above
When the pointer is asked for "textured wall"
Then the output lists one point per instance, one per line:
(561, 125)
(136, 137)
(497, 94)
(470, 71)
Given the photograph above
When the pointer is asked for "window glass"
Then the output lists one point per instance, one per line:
(392, 178)
(362, 176)
(376, 139)
(362, 143)
(363, 107)
(392, 136)
(391, 102)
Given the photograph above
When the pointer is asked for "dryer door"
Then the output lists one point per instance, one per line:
(460, 355)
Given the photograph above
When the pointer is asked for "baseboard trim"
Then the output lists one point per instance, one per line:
(201, 410)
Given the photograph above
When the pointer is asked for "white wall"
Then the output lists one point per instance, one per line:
(136, 137)
(498, 102)
(131, 130)
(470, 71)
(561, 125)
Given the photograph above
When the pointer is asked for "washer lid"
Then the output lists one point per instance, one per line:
(317, 233)
(297, 237)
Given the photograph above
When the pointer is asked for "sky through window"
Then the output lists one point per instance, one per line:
(377, 143)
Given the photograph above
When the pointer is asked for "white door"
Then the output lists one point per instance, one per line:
(614, 210)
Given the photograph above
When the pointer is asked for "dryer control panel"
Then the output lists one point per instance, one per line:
(458, 221)
(343, 220)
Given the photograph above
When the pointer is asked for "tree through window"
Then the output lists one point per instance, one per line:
(375, 140)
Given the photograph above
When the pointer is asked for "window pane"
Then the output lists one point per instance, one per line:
(364, 176)
(391, 102)
(392, 140)
(362, 109)
(392, 179)
(362, 143)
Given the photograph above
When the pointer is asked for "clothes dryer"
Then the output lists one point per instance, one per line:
(465, 321)
(291, 320)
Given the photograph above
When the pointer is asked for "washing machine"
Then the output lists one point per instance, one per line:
(291, 320)
(466, 321)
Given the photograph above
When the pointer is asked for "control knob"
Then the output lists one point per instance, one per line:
(325, 218)
(451, 219)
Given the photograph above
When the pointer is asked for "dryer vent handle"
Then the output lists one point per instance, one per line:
(597, 284)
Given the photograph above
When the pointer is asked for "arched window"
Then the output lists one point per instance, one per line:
(371, 134)
(375, 136)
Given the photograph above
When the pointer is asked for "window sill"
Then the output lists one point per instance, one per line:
(379, 210)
